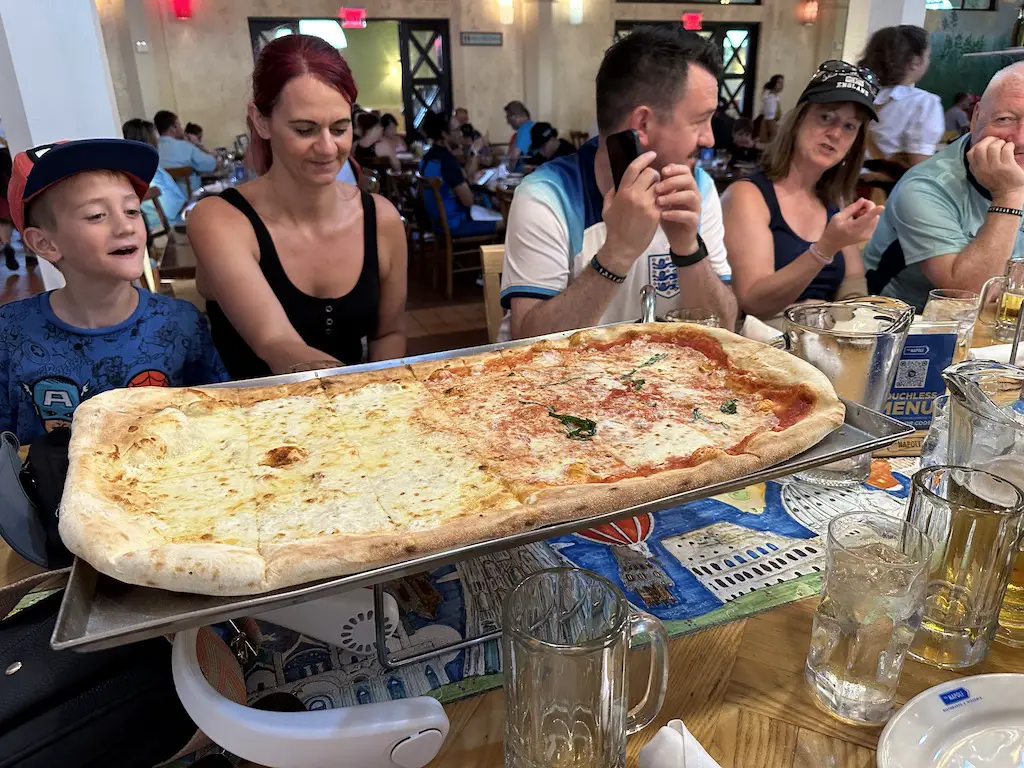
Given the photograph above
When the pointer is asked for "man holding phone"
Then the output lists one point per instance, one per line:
(578, 250)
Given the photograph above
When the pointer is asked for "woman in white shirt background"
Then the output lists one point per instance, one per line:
(911, 122)
(771, 109)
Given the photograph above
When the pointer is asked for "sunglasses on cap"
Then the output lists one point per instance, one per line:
(834, 68)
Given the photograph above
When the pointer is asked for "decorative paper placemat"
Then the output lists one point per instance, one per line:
(692, 566)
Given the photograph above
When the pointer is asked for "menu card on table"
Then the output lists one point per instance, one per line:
(929, 350)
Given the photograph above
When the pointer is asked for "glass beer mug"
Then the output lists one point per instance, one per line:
(1011, 288)
(565, 642)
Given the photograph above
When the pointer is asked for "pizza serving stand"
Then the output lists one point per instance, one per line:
(355, 612)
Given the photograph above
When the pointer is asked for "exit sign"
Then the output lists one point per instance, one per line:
(694, 22)
(352, 18)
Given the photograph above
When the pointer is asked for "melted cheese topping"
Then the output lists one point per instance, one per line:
(408, 455)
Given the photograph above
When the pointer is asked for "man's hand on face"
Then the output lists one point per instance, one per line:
(994, 165)
(679, 202)
(631, 215)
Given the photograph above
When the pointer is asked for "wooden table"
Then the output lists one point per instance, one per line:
(179, 261)
(740, 689)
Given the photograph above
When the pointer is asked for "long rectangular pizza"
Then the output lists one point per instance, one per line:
(245, 490)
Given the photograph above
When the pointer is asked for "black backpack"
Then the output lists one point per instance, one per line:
(114, 708)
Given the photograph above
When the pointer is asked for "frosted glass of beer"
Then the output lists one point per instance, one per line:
(1011, 295)
(876, 573)
(952, 305)
(974, 520)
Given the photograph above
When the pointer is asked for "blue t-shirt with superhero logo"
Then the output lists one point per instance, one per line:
(48, 367)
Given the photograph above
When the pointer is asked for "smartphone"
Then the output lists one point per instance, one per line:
(623, 149)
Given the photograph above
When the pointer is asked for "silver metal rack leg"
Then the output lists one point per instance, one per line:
(390, 663)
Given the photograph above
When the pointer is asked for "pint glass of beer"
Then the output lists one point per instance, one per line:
(1010, 289)
(974, 520)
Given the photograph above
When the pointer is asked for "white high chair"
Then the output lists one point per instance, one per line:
(405, 733)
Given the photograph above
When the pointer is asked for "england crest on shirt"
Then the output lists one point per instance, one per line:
(663, 275)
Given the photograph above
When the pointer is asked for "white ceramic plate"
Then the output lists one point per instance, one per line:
(973, 722)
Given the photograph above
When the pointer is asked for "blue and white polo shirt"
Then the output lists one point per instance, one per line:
(556, 226)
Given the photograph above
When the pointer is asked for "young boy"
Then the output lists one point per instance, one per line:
(77, 205)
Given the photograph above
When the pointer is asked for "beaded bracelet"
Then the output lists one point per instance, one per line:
(605, 273)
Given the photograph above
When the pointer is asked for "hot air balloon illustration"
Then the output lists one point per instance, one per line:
(638, 570)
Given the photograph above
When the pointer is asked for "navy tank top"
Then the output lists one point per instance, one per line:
(789, 245)
(334, 326)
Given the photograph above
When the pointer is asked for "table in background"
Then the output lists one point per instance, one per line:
(13, 567)
(723, 177)
(220, 174)
(179, 261)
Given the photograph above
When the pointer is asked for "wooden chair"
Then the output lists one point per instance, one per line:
(492, 257)
(183, 173)
(153, 196)
(875, 187)
(400, 189)
(150, 276)
(453, 251)
(578, 138)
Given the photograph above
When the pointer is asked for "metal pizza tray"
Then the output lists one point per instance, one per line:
(100, 612)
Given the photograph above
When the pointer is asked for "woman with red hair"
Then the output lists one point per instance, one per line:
(297, 266)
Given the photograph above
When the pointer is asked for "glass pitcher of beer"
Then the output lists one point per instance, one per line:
(857, 345)
(986, 431)
(1011, 296)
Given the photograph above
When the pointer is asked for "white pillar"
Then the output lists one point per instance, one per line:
(539, 58)
(866, 16)
(54, 77)
(146, 67)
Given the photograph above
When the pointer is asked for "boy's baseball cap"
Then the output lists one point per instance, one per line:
(37, 169)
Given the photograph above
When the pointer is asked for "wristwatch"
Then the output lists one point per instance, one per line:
(694, 258)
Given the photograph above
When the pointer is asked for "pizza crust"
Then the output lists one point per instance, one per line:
(123, 546)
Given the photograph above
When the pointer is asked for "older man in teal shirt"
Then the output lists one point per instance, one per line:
(954, 220)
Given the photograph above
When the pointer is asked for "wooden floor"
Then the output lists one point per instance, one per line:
(20, 284)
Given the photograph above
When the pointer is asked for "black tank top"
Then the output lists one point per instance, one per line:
(337, 327)
(789, 245)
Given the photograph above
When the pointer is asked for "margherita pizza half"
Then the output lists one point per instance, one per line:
(241, 491)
